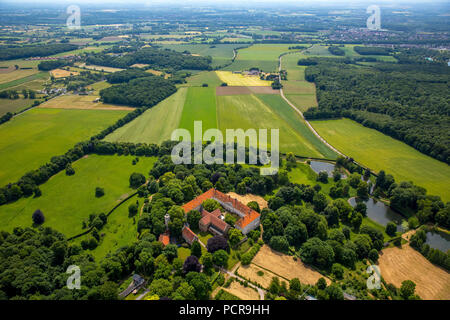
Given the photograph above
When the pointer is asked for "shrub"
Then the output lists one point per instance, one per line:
(38, 217)
(99, 192)
(247, 257)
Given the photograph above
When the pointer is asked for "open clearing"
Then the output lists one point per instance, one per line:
(398, 265)
(31, 139)
(121, 230)
(99, 68)
(154, 125)
(285, 266)
(248, 198)
(381, 152)
(237, 79)
(73, 101)
(230, 91)
(61, 193)
(60, 73)
(242, 292)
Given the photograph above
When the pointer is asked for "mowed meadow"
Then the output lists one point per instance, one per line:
(381, 152)
(32, 138)
(68, 200)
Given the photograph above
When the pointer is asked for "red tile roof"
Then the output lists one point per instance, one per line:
(188, 234)
(164, 238)
(249, 214)
(213, 218)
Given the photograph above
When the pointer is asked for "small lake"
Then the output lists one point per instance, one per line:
(319, 166)
(381, 213)
(438, 240)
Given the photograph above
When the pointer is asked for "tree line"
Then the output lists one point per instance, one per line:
(156, 58)
(8, 53)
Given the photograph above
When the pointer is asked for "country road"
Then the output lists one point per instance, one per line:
(306, 121)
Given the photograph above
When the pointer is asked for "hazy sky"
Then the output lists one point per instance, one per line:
(149, 2)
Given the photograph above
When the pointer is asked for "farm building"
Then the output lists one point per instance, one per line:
(188, 235)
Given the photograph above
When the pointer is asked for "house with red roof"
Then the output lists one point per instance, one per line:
(188, 235)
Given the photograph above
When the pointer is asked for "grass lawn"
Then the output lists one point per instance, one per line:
(303, 101)
(204, 236)
(309, 144)
(32, 138)
(381, 152)
(62, 194)
(119, 231)
(183, 253)
(200, 105)
(156, 124)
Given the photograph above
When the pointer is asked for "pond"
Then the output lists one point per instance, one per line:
(319, 166)
(381, 213)
(438, 240)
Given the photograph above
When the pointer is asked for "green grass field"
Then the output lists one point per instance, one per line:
(68, 200)
(263, 56)
(119, 231)
(32, 138)
(309, 143)
(197, 80)
(381, 152)
(200, 105)
(154, 125)
(265, 111)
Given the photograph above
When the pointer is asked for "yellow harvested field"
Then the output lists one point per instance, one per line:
(250, 272)
(285, 266)
(72, 101)
(139, 65)
(60, 73)
(237, 79)
(242, 292)
(155, 72)
(397, 265)
(248, 198)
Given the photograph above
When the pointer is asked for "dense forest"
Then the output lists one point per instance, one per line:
(337, 51)
(139, 92)
(52, 64)
(372, 51)
(155, 58)
(35, 51)
(410, 102)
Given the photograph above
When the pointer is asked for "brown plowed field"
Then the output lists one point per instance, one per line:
(230, 91)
